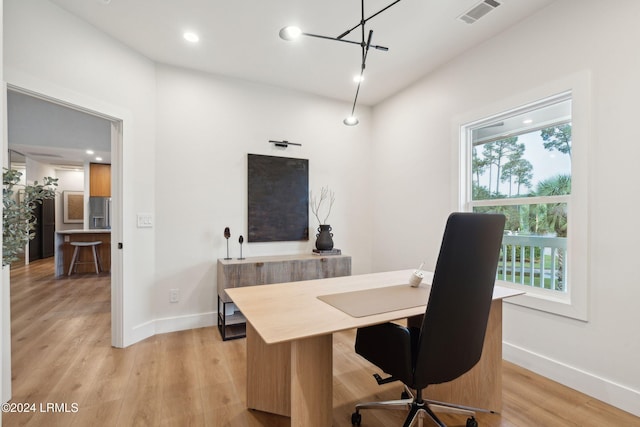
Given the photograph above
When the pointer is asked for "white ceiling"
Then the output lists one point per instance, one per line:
(239, 38)
(54, 134)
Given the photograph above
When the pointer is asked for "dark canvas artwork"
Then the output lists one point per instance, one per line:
(278, 199)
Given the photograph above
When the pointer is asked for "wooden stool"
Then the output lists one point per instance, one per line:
(74, 259)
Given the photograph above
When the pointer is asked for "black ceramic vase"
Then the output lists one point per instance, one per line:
(324, 238)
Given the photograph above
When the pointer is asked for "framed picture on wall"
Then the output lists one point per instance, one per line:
(278, 197)
(73, 207)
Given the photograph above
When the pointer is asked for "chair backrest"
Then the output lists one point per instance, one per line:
(457, 313)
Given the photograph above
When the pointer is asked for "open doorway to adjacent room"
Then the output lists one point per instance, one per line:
(49, 137)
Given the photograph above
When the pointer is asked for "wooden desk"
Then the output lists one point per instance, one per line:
(290, 347)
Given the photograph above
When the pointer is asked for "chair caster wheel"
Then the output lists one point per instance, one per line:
(404, 395)
(472, 422)
(356, 419)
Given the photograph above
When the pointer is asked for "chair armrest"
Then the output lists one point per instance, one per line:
(387, 346)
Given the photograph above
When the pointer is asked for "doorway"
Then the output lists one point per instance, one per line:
(62, 139)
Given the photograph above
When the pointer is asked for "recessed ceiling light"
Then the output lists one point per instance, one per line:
(527, 121)
(358, 78)
(89, 152)
(290, 33)
(191, 37)
(98, 159)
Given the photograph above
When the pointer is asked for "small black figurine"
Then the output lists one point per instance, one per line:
(241, 240)
(227, 234)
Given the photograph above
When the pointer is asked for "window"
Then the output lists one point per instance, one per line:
(527, 163)
(521, 167)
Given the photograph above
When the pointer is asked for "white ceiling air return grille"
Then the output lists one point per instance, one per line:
(45, 155)
(478, 11)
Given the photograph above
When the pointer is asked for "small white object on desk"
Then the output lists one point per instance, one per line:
(416, 277)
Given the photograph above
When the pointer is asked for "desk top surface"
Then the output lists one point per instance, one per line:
(289, 311)
(277, 258)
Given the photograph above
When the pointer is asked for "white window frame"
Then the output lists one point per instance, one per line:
(574, 302)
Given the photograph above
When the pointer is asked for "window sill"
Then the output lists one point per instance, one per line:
(554, 302)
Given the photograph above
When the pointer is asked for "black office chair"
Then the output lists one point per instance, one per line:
(449, 342)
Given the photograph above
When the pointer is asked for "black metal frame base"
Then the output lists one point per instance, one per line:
(229, 329)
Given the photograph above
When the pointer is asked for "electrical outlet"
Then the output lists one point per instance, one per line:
(174, 295)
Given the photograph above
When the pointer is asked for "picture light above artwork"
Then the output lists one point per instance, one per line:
(284, 143)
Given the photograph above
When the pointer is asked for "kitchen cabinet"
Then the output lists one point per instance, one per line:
(42, 244)
(99, 180)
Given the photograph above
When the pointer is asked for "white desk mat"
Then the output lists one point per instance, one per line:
(379, 300)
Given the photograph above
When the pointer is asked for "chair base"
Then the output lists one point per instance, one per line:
(417, 407)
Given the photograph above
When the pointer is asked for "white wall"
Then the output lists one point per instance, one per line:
(192, 176)
(36, 171)
(598, 357)
(50, 51)
(68, 180)
(206, 127)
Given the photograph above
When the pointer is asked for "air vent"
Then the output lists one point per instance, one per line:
(44, 155)
(478, 11)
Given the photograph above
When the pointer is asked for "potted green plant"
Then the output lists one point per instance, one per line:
(19, 202)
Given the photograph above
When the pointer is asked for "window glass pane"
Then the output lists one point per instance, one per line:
(525, 155)
(548, 219)
(534, 246)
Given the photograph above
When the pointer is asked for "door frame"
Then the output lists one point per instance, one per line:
(119, 118)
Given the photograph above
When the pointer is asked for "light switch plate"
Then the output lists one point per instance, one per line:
(145, 220)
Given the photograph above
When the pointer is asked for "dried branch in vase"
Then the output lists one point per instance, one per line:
(316, 204)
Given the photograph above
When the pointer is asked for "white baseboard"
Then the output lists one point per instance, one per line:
(139, 333)
(171, 324)
(181, 323)
(600, 388)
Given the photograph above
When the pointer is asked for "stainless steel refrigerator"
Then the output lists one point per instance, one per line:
(99, 212)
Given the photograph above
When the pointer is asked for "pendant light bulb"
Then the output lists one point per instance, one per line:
(351, 121)
(290, 33)
(191, 37)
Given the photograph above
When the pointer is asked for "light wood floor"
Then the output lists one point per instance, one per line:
(62, 354)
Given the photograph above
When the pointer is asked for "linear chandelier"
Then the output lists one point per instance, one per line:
(291, 33)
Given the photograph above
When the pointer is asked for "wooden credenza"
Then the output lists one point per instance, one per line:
(234, 273)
